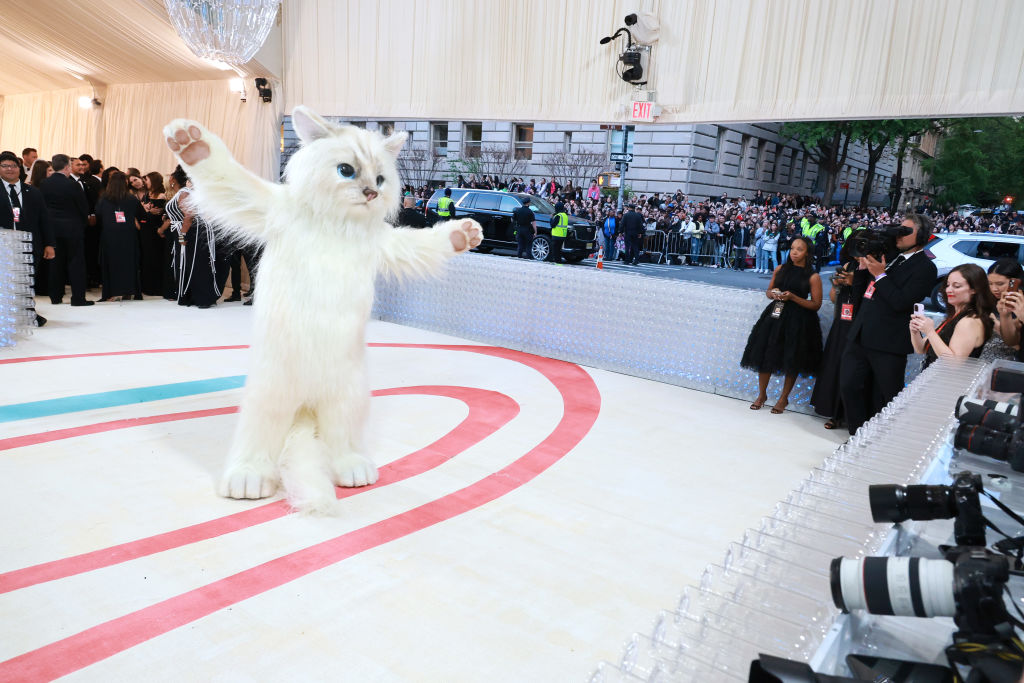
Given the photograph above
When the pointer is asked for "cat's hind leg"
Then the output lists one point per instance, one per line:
(340, 424)
(304, 472)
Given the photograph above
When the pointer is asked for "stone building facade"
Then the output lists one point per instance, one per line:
(699, 159)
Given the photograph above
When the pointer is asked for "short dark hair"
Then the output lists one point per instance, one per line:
(60, 161)
(94, 167)
(924, 225)
(526, 200)
(9, 156)
(29, 149)
(85, 157)
(447, 192)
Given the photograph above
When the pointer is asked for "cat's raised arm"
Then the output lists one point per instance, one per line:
(409, 251)
(227, 194)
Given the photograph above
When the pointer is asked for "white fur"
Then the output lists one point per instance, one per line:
(306, 396)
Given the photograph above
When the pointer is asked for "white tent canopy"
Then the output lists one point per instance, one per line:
(715, 61)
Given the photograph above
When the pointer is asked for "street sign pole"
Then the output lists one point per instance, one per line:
(622, 165)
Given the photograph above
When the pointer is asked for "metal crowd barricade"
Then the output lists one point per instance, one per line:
(654, 245)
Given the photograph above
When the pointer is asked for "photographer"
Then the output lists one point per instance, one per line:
(968, 323)
(875, 361)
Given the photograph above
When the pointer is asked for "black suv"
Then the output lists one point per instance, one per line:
(493, 211)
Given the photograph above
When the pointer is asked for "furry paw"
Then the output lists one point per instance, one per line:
(353, 469)
(185, 138)
(465, 234)
(243, 482)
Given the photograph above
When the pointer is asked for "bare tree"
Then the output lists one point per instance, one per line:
(490, 160)
(418, 164)
(579, 167)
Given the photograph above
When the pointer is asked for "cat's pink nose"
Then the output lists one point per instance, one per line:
(370, 194)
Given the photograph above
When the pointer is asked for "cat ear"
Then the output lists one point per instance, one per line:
(309, 125)
(393, 143)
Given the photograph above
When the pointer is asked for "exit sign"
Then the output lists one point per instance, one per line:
(643, 111)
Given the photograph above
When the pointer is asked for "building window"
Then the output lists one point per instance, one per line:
(567, 142)
(522, 137)
(472, 137)
(803, 170)
(791, 169)
(719, 141)
(439, 138)
(757, 172)
(386, 128)
(744, 146)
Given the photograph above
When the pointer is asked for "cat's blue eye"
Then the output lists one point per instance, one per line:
(346, 171)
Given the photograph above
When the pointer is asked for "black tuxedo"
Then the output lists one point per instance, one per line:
(875, 360)
(68, 214)
(93, 189)
(633, 229)
(32, 217)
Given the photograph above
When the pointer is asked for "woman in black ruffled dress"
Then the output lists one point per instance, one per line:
(786, 338)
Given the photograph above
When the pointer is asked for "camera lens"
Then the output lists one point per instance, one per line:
(978, 414)
(898, 586)
(1008, 381)
(965, 404)
(894, 503)
(982, 441)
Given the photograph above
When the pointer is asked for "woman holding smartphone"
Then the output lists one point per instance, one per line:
(1004, 279)
(968, 323)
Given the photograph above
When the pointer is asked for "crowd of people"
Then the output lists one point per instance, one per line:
(129, 235)
(723, 231)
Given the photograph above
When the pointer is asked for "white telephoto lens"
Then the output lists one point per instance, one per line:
(900, 586)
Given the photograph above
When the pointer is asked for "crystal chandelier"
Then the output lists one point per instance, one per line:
(230, 31)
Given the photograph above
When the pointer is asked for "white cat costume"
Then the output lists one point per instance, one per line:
(325, 240)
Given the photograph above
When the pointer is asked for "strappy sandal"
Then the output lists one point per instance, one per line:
(776, 410)
(757, 405)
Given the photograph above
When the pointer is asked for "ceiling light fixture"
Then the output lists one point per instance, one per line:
(229, 31)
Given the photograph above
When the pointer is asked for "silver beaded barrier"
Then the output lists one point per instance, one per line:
(770, 594)
(16, 316)
(685, 333)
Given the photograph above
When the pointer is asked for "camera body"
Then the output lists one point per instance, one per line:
(877, 242)
(960, 500)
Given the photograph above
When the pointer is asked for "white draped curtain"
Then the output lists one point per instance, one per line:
(126, 129)
(716, 60)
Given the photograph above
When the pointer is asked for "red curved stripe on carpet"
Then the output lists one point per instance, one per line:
(488, 412)
(581, 401)
(32, 359)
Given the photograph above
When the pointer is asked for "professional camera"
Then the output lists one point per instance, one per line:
(991, 414)
(960, 500)
(877, 242)
(967, 585)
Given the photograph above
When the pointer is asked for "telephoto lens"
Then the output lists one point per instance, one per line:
(991, 414)
(895, 503)
(1007, 381)
(898, 586)
(992, 443)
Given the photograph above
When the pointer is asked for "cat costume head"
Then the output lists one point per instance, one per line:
(344, 170)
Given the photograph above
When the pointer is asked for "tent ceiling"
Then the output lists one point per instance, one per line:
(104, 41)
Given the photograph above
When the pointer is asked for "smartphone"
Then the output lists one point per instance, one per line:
(1014, 285)
(918, 309)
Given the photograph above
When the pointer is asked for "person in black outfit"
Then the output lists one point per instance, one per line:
(119, 211)
(68, 212)
(25, 209)
(632, 226)
(740, 242)
(847, 297)
(408, 216)
(874, 364)
(154, 255)
(92, 188)
(787, 336)
(526, 228)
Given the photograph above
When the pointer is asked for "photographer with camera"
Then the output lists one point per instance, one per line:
(968, 323)
(898, 275)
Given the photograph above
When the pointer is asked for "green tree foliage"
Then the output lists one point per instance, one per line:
(980, 161)
(827, 143)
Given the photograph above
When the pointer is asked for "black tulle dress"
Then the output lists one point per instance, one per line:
(790, 343)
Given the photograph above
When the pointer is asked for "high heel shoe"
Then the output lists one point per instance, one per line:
(779, 407)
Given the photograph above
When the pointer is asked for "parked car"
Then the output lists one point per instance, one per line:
(493, 210)
(982, 248)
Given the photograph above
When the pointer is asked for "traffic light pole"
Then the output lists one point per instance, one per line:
(623, 167)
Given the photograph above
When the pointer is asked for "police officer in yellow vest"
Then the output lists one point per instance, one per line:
(559, 230)
(819, 238)
(445, 205)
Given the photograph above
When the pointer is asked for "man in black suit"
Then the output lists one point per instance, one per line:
(68, 213)
(93, 188)
(874, 363)
(25, 209)
(633, 230)
(740, 241)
